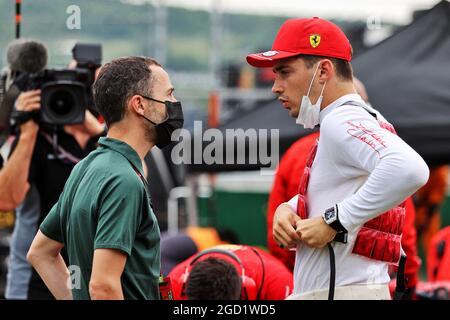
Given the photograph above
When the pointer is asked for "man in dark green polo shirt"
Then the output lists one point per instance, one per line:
(104, 217)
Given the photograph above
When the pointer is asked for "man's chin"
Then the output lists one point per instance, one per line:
(293, 113)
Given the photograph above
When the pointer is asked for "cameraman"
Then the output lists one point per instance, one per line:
(55, 153)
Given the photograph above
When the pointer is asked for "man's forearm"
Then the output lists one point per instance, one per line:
(14, 176)
(107, 269)
(395, 178)
(55, 275)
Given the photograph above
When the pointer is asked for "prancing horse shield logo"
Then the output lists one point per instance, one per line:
(314, 39)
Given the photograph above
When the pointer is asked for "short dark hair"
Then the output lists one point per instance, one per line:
(118, 81)
(343, 68)
(213, 279)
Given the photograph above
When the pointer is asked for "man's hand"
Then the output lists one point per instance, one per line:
(29, 101)
(91, 125)
(284, 223)
(314, 232)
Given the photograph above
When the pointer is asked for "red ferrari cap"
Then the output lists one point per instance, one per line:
(314, 36)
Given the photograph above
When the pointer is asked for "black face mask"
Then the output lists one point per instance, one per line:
(173, 121)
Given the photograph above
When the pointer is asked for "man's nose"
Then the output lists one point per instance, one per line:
(276, 88)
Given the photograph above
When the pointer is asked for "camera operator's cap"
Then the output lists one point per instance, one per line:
(314, 36)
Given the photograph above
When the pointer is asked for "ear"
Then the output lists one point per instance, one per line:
(136, 104)
(326, 71)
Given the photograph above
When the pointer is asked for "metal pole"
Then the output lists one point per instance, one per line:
(18, 18)
(192, 208)
(163, 169)
(175, 195)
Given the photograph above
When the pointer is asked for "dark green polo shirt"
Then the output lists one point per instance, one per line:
(105, 204)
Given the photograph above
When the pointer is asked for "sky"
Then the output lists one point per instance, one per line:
(389, 11)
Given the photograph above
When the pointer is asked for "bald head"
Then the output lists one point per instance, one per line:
(360, 89)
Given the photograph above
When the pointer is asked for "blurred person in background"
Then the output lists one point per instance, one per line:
(13, 188)
(16, 168)
(175, 248)
(231, 272)
(428, 201)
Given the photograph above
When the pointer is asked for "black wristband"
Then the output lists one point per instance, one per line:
(20, 117)
(341, 237)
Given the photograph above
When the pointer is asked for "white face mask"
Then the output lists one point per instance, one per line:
(308, 114)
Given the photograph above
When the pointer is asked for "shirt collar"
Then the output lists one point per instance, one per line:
(124, 149)
(339, 102)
